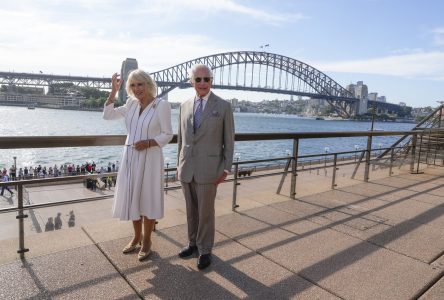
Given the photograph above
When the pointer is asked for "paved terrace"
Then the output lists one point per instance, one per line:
(378, 240)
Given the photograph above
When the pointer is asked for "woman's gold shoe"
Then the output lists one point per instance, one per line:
(130, 247)
(144, 254)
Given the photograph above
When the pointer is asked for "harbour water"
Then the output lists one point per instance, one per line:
(19, 121)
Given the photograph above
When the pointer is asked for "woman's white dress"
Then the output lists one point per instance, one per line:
(140, 180)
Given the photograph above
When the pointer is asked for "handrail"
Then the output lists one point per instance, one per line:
(14, 142)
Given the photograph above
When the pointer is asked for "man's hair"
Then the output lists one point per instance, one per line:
(197, 67)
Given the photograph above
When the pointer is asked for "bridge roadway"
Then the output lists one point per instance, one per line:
(378, 240)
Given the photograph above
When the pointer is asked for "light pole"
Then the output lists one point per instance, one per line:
(326, 149)
(15, 167)
(356, 149)
(288, 153)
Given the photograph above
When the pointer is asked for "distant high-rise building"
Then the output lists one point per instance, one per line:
(361, 90)
(351, 88)
(372, 96)
(402, 104)
(382, 99)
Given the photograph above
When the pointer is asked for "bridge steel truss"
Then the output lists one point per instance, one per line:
(241, 70)
(274, 74)
(32, 79)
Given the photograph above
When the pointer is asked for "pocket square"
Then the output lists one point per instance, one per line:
(215, 113)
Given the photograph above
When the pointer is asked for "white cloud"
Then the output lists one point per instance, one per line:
(37, 42)
(422, 65)
(92, 37)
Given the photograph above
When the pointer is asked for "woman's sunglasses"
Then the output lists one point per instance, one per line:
(199, 79)
(136, 84)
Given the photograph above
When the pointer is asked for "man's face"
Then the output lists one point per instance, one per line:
(202, 81)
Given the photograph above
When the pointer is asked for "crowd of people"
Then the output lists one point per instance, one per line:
(68, 169)
(64, 170)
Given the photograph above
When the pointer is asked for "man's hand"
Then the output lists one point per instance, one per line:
(221, 178)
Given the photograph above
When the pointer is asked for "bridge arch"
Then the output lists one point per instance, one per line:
(276, 74)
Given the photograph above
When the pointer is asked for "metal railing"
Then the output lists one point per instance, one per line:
(291, 166)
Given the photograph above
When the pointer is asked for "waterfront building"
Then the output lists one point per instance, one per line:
(49, 101)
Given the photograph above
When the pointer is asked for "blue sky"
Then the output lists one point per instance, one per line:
(395, 46)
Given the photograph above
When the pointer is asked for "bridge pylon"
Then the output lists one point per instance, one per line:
(128, 65)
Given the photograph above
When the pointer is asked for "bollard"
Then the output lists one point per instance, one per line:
(294, 165)
(20, 217)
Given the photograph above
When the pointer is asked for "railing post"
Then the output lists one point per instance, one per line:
(412, 161)
(294, 166)
(392, 153)
(20, 218)
(333, 179)
(167, 178)
(367, 159)
(419, 154)
(235, 184)
(436, 146)
(428, 146)
(440, 116)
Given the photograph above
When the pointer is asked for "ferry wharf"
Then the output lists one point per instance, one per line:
(381, 239)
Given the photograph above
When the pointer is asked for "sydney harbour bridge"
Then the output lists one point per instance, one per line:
(241, 70)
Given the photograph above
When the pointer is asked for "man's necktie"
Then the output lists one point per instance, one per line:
(198, 115)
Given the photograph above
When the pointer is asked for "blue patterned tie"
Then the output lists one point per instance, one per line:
(198, 115)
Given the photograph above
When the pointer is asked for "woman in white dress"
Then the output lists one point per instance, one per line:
(139, 191)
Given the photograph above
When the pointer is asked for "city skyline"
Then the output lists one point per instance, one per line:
(395, 47)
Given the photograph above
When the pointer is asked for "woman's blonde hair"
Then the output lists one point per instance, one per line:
(140, 75)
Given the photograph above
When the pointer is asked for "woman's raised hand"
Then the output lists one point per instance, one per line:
(116, 82)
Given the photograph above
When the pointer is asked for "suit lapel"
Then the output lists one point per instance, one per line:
(189, 113)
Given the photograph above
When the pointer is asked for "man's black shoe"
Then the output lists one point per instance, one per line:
(187, 251)
(203, 261)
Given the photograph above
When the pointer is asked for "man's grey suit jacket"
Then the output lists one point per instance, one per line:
(206, 153)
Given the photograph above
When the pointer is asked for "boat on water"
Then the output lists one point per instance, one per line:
(319, 118)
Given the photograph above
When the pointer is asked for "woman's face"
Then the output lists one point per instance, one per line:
(140, 90)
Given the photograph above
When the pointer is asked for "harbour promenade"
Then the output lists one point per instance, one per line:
(382, 239)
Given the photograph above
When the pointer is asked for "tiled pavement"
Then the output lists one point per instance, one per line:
(378, 240)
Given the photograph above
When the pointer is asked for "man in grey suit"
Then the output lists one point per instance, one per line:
(205, 141)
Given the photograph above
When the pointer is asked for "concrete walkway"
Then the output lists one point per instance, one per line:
(378, 240)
